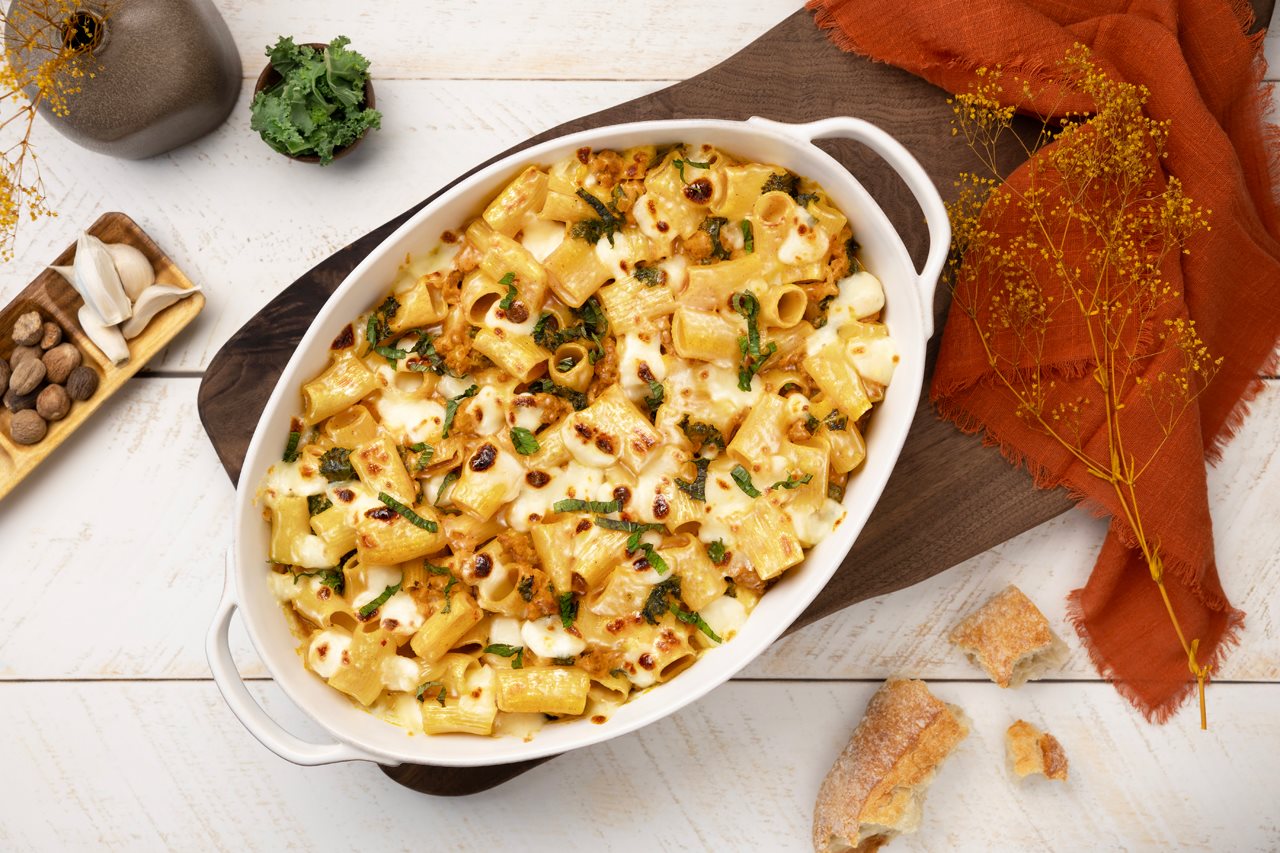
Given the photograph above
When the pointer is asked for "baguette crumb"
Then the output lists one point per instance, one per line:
(1010, 638)
(1033, 751)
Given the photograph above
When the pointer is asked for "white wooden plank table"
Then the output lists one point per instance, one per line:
(112, 552)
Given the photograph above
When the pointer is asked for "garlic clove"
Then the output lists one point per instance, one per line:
(107, 338)
(153, 300)
(96, 278)
(136, 272)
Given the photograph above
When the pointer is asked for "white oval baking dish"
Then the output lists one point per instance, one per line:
(358, 735)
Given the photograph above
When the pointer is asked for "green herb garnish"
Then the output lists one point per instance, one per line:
(712, 225)
(655, 606)
(742, 477)
(716, 551)
(335, 465)
(426, 348)
(704, 433)
(575, 505)
(655, 397)
(568, 609)
(651, 556)
(545, 386)
(851, 247)
(524, 441)
(680, 164)
(748, 237)
(372, 607)
(451, 408)
(635, 528)
(332, 578)
(698, 488)
(804, 199)
(425, 452)
(691, 617)
(509, 282)
(318, 107)
(427, 685)
(835, 491)
(525, 588)
(650, 276)
(317, 504)
(448, 595)
(449, 480)
(753, 357)
(505, 651)
(792, 482)
(291, 449)
(836, 421)
(785, 183)
(811, 424)
(607, 224)
(408, 514)
(391, 354)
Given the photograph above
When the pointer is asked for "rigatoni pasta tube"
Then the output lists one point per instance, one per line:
(552, 690)
(524, 195)
(445, 627)
(781, 306)
(571, 366)
(344, 383)
(706, 335)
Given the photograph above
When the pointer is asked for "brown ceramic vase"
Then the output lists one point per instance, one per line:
(163, 72)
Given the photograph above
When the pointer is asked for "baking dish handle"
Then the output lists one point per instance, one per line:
(268, 732)
(912, 173)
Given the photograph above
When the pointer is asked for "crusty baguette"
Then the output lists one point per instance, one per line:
(1033, 751)
(1010, 638)
(875, 790)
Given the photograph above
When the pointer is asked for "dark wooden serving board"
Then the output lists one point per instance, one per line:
(949, 497)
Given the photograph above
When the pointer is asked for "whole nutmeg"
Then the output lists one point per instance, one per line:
(15, 402)
(27, 427)
(53, 403)
(4, 376)
(82, 382)
(27, 376)
(51, 335)
(28, 329)
(21, 353)
(60, 361)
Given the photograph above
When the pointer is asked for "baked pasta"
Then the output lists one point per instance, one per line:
(577, 441)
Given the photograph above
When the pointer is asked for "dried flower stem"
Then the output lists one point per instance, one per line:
(1092, 229)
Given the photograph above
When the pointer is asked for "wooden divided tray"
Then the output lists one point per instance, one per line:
(949, 498)
(56, 300)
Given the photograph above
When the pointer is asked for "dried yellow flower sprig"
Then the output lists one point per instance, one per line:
(47, 52)
(1077, 249)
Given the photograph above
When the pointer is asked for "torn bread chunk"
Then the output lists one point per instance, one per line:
(875, 790)
(1010, 638)
(1033, 751)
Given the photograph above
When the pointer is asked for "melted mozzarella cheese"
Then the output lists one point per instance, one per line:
(618, 257)
(295, 478)
(400, 673)
(328, 652)
(875, 359)
(496, 318)
(377, 579)
(575, 480)
(310, 552)
(452, 386)
(284, 586)
(541, 237)
(725, 616)
(582, 445)
(812, 527)
(861, 295)
(505, 631)
(525, 416)
(547, 638)
(409, 419)
(400, 614)
(641, 353)
(677, 270)
(487, 408)
(805, 242)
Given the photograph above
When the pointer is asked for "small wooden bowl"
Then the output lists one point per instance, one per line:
(270, 77)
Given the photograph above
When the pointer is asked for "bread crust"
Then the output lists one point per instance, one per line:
(1033, 751)
(1010, 638)
(876, 787)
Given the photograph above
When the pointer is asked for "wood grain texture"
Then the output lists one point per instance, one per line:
(166, 766)
(51, 295)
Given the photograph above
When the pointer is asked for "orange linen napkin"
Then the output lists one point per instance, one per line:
(1205, 74)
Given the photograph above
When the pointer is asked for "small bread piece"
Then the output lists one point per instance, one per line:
(1033, 751)
(876, 788)
(1010, 638)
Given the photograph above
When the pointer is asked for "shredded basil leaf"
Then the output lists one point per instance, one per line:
(335, 465)
(786, 183)
(408, 514)
(575, 505)
(427, 685)
(712, 225)
(503, 650)
(650, 276)
(448, 595)
(655, 606)
(317, 504)
(742, 477)
(716, 551)
(748, 237)
(545, 386)
(451, 408)
(698, 488)
(372, 607)
(509, 282)
(704, 433)
(524, 441)
(792, 482)
(291, 449)
(332, 578)
(568, 609)
(753, 357)
(691, 617)
(651, 556)
(655, 398)
(525, 588)
(449, 480)
(836, 421)
(835, 491)
(392, 354)
(426, 348)
(607, 224)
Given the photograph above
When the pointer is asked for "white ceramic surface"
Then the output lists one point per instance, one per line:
(359, 735)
